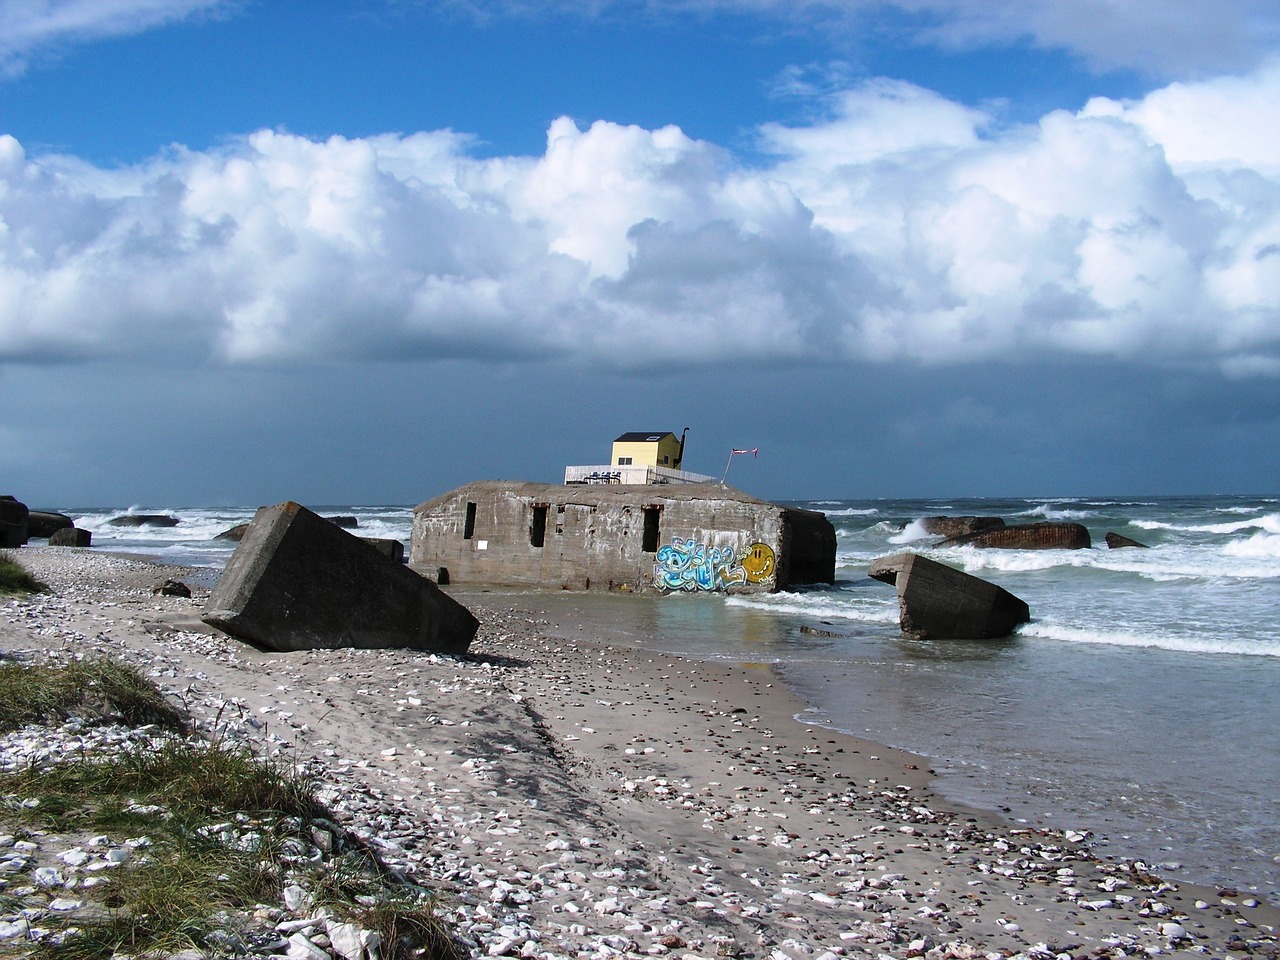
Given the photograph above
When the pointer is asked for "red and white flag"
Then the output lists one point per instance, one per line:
(754, 451)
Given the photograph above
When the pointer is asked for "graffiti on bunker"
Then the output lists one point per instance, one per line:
(689, 565)
(759, 563)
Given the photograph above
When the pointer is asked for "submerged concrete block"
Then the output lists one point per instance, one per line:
(299, 582)
(1050, 535)
(937, 602)
(1116, 541)
(959, 526)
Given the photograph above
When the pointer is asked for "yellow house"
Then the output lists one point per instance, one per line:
(655, 449)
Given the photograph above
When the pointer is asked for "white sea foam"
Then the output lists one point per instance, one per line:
(1268, 522)
(1184, 643)
(1013, 561)
(1236, 560)
(912, 532)
(852, 512)
(1265, 545)
(824, 605)
(194, 540)
(1118, 503)
(1050, 512)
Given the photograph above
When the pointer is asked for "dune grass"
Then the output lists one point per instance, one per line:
(225, 830)
(16, 581)
(96, 688)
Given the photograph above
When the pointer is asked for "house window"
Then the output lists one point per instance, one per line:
(538, 529)
(469, 527)
(650, 542)
(624, 461)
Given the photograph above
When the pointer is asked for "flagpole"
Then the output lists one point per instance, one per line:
(726, 468)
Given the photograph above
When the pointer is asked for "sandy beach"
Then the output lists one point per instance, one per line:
(569, 798)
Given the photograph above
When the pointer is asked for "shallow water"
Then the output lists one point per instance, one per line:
(1141, 702)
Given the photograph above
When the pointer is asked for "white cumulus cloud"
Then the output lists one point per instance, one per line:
(897, 225)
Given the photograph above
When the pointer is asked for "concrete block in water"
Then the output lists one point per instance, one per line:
(1116, 541)
(70, 537)
(299, 582)
(1050, 535)
(938, 602)
(960, 526)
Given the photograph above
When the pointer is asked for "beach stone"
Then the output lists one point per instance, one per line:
(353, 942)
(298, 582)
(1115, 541)
(70, 537)
(1027, 536)
(959, 526)
(939, 602)
(171, 588)
(13, 521)
(235, 533)
(346, 523)
(43, 523)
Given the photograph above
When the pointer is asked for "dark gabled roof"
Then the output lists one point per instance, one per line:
(652, 437)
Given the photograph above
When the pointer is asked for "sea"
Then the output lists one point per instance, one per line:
(1140, 705)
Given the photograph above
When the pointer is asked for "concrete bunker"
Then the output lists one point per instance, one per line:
(630, 537)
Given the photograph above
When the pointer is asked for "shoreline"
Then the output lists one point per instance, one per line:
(572, 798)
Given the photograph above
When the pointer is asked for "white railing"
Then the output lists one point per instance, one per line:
(631, 474)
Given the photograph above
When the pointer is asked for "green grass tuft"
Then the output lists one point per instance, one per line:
(97, 688)
(16, 581)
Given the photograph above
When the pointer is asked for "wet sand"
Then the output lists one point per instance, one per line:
(569, 797)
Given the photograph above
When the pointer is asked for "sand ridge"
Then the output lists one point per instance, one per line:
(571, 798)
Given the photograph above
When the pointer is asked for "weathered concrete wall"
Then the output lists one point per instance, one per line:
(686, 537)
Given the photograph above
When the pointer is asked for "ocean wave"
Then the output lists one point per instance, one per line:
(1264, 545)
(822, 606)
(1269, 523)
(199, 527)
(852, 512)
(1119, 503)
(1188, 643)
(1050, 512)
(1161, 565)
(912, 532)
(1014, 561)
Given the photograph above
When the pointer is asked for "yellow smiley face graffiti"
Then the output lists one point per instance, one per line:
(758, 563)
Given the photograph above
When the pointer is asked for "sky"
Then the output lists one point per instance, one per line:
(368, 251)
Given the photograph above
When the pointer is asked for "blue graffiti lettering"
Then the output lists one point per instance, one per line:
(689, 565)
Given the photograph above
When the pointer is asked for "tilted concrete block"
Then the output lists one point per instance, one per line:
(938, 602)
(70, 537)
(299, 582)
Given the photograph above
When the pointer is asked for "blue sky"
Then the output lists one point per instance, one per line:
(368, 251)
